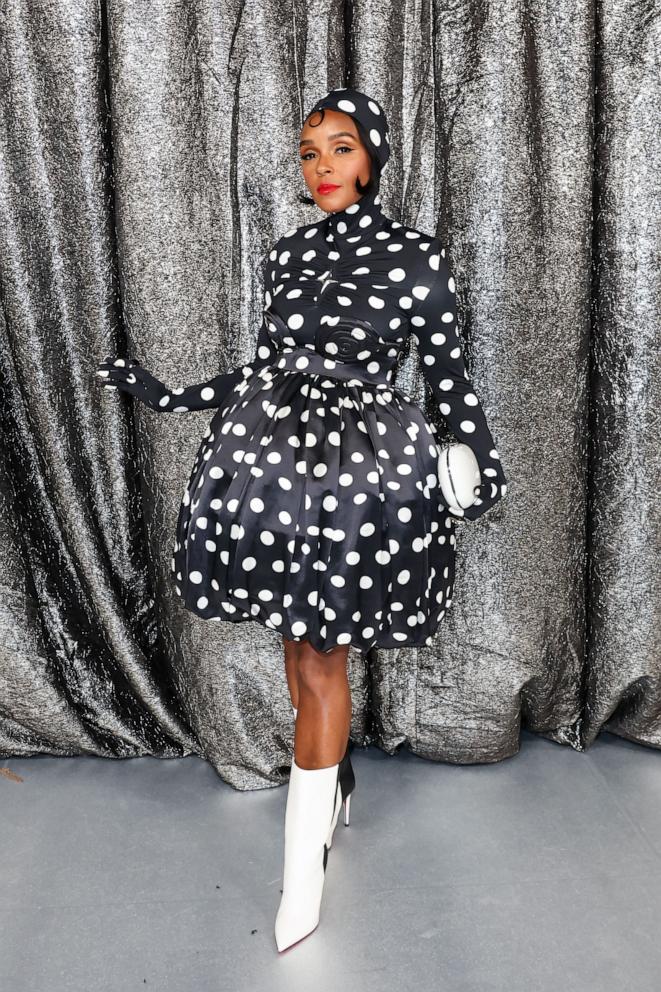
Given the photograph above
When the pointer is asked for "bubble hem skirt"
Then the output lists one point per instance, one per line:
(314, 508)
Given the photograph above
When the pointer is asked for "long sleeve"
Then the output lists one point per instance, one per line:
(435, 332)
(212, 393)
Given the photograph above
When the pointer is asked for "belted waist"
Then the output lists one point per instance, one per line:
(355, 372)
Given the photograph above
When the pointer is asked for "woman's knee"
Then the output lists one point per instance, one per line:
(320, 672)
(292, 650)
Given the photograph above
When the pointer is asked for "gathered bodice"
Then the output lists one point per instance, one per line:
(344, 288)
(342, 297)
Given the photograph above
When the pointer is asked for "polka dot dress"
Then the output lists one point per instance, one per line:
(313, 506)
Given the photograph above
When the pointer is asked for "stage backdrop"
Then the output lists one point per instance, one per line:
(148, 161)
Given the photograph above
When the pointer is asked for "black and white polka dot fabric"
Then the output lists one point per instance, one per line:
(313, 506)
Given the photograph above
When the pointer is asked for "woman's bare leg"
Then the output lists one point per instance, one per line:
(292, 650)
(324, 706)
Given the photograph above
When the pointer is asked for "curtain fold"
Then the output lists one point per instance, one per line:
(623, 665)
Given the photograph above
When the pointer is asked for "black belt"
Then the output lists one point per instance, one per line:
(313, 362)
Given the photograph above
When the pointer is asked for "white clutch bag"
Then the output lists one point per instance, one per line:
(459, 476)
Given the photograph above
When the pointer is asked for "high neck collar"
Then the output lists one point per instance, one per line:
(356, 223)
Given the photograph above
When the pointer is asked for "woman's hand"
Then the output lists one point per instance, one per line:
(126, 374)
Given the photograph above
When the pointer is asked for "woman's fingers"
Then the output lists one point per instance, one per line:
(106, 368)
(113, 376)
(126, 386)
(129, 376)
(119, 370)
(118, 363)
(109, 364)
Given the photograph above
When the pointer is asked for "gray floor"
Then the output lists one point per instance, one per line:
(537, 873)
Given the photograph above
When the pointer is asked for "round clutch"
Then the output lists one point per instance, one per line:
(459, 476)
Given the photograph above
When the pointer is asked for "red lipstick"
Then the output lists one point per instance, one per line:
(324, 188)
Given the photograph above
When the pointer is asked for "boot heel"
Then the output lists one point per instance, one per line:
(346, 781)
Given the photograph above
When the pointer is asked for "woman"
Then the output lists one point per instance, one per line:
(314, 505)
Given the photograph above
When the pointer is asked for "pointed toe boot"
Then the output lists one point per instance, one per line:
(310, 808)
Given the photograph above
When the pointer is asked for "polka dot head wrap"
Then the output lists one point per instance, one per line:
(367, 112)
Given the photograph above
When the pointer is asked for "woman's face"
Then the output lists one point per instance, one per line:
(332, 156)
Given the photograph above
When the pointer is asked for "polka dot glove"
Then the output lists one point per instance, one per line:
(434, 330)
(128, 376)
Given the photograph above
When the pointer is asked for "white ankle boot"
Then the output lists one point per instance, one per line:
(310, 807)
(345, 785)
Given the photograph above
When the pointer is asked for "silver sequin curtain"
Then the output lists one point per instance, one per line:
(148, 160)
